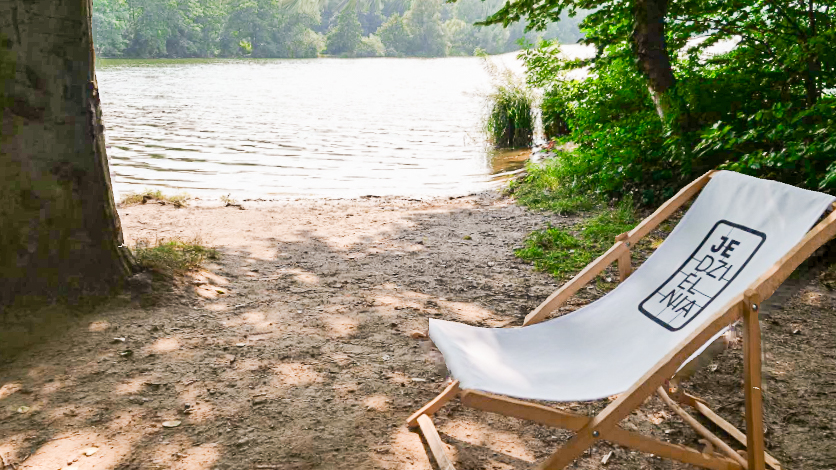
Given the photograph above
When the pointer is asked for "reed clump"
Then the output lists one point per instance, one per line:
(509, 118)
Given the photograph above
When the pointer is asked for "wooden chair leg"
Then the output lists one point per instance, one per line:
(448, 394)
(435, 443)
(752, 381)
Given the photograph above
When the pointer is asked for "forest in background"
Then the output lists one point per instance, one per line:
(303, 29)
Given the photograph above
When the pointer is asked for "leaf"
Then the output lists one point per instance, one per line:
(23, 409)
(171, 424)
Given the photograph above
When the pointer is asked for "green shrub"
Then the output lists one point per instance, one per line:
(785, 142)
(371, 46)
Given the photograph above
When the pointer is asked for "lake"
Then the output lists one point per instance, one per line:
(278, 129)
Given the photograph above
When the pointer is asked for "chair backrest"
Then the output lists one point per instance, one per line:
(735, 231)
(737, 228)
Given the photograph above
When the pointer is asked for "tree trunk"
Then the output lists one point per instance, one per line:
(651, 54)
(60, 235)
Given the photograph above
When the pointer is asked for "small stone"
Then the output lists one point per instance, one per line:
(172, 424)
(417, 334)
(90, 451)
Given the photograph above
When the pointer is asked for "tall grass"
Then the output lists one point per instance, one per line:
(509, 118)
(173, 256)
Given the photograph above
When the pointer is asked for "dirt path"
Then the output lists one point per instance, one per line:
(300, 347)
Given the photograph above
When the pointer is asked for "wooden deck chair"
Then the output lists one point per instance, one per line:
(741, 238)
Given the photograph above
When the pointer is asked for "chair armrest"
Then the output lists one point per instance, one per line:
(621, 247)
(581, 279)
(669, 207)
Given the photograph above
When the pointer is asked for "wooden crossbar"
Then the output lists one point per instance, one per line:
(700, 429)
(726, 426)
(563, 419)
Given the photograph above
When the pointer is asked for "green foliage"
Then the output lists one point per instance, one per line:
(563, 252)
(345, 38)
(509, 121)
(296, 28)
(177, 200)
(395, 35)
(763, 107)
(371, 46)
(423, 20)
(797, 146)
(173, 256)
(543, 188)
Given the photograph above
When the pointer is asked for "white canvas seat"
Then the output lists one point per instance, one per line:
(738, 242)
(605, 347)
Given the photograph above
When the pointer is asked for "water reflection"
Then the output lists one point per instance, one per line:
(299, 128)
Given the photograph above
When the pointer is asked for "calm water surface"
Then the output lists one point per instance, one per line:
(299, 128)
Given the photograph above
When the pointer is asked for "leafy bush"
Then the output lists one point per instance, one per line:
(620, 146)
(785, 143)
(371, 46)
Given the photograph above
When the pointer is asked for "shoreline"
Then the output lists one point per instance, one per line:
(304, 346)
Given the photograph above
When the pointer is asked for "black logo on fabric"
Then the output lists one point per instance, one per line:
(721, 256)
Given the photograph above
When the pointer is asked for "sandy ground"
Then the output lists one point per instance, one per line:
(302, 347)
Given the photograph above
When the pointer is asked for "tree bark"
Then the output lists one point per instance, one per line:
(651, 53)
(60, 234)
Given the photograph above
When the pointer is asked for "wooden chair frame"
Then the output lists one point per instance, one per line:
(604, 426)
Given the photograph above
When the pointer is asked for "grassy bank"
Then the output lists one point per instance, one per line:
(564, 251)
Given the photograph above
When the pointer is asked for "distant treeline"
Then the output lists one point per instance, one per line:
(307, 28)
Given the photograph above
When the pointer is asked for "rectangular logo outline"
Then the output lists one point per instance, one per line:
(690, 257)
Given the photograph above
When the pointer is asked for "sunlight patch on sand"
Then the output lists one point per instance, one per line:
(68, 448)
(98, 326)
(131, 386)
(165, 345)
(8, 389)
(466, 311)
(377, 402)
(407, 452)
(341, 326)
(295, 374)
(480, 435)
